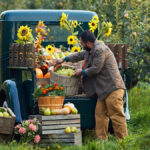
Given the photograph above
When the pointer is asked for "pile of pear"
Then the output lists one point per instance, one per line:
(56, 55)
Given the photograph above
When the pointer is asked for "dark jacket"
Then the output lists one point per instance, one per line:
(101, 73)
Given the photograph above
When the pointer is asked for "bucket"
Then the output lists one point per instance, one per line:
(51, 102)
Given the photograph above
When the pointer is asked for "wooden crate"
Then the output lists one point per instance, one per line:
(52, 129)
(22, 55)
(120, 53)
(62, 139)
(7, 124)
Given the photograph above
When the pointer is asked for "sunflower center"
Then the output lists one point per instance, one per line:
(75, 50)
(24, 32)
(71, 39)
(93, 24)
(49, 49)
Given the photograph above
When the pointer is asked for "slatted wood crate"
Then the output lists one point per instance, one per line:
(120, 53)
(22, 55)
(52, 129)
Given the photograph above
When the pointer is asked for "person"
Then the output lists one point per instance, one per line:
(101, 76)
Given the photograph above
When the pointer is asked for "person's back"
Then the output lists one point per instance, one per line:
(108, 79)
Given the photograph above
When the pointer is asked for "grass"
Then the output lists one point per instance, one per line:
(138, 128)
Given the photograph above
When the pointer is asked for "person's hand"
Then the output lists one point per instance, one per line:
(59, 61)
(49, 63)
(78, 72)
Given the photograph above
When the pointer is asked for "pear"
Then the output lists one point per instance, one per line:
(70, 72)
(1, 114)
(53, 112)
(74, 129)
(47, 112)
(67, 129)
(56, 55)
(67, 53)
(6, 114)
(53, 56)
(61, 55)
(74, 110)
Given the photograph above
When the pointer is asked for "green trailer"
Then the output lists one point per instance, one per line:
(25, 77)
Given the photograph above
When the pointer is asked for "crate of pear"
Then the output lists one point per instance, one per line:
(7, 121)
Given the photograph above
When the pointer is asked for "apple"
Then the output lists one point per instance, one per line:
(74, 110)
(1, 114)
(74, 129)
(67, 129)
(47, 112)
(5, 114)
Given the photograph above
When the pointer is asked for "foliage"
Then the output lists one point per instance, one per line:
(28, 131)
(49, 89)
(41, 53)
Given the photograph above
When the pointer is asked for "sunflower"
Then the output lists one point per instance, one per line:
(75, 23)
(92, 24)
(75, 49)
(95, 19)
(75, 40)
(109, 24)
(91, 29)
(71, 39)
(50, 49)
(63, 19)
(108, 32)
(24, 33)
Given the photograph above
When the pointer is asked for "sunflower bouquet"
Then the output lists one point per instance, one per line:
(103, 30)
(71, 25)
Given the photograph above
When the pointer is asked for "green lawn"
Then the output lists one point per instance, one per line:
(138, 128)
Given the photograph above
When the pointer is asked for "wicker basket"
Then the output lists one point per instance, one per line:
(7, 124)
(70, 83)
(52, 102)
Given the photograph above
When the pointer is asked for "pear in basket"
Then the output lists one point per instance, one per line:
(1, 114)
(6, 114)
(56, 56)
(61, 55)
(67, 53)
